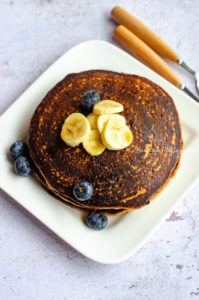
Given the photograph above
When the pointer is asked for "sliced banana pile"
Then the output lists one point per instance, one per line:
(101, 129)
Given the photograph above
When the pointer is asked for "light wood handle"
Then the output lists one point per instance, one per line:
(121, 16)
(143, 52)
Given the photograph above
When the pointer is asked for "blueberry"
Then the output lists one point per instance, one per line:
(17, 149)
(83, 191)
(22, 166)
(97, 220)
(90, 99)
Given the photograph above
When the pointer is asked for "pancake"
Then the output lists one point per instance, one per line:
(39, 177)
(124, 179)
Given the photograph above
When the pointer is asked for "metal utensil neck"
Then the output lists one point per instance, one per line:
(185, 66)
(188, 92)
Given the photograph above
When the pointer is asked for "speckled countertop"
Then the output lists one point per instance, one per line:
(34, 263)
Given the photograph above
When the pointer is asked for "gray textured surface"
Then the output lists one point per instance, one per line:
(34, 263)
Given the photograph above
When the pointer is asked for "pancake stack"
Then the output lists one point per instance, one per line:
(122, 180)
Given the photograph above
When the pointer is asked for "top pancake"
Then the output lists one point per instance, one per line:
(126, 178)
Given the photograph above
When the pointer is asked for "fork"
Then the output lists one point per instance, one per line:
(139, 40)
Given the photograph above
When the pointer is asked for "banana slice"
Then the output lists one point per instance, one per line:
(116, 135)
(104, 118)
(105, 107)
(93, 120)
(75, 128)
(93, 144)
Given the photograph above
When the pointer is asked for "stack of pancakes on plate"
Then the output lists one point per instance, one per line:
(124, 179)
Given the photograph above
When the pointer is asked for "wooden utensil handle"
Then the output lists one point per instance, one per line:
(142, 51)
(121, 16)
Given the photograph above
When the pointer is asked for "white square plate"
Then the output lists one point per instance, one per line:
(125, 233)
